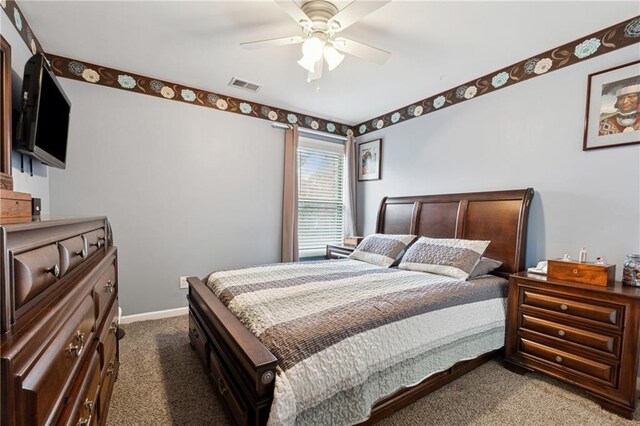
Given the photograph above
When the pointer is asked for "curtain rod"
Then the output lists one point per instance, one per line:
(310, 131)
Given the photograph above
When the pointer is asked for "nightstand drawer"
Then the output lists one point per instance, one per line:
(593, 369)
(594, 340)
(586, 309)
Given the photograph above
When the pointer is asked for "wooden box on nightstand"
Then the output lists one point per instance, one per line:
(581, 334)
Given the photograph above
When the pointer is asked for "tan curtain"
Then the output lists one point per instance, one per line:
(290, 196)
(350, 187)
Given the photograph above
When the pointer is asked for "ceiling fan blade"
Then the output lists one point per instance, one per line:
(361, 50)
(295, 12)
(353, 12)
(273, 42)
(317, 72)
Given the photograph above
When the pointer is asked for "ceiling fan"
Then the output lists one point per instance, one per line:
(321, 21)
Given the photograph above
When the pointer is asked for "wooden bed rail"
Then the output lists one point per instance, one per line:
(252, 361)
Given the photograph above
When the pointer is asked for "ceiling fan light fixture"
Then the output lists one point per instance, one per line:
(312, 48)
(333, 57)
(308, 63)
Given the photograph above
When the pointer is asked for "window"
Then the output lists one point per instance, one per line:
(320, 195)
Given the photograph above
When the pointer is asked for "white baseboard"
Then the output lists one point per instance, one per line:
(127, 319)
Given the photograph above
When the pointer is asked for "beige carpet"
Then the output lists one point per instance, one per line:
(161, 382)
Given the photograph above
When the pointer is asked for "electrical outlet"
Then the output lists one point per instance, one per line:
(183, 282)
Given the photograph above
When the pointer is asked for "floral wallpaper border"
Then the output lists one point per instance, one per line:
(604, 41)
(16, 16)
(117, 79)
(621, 35)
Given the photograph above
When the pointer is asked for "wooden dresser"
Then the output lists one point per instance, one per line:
(582, 334)
(59, 321)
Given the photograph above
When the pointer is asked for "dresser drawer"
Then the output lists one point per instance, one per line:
(104, 291)
(34, 271)
(47, 381)
(108, 335)
(95, 241)
(599, 371)
(586, 309)
(109, 376)
(83, 410)
(593, 340)
(72, 253)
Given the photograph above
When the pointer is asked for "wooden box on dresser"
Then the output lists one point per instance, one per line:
(59, 295)
(581, 334)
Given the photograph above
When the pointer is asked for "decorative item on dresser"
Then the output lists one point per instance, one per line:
(338, 252)
(59, 296)
(581, 334)
(14, 205)
(585, 273)
(631, 272)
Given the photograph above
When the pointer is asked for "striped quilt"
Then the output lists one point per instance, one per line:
(347, 333)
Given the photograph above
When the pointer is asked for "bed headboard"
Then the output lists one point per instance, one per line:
(499, 216)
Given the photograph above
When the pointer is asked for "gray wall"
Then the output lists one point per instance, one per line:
(188, 190)
(526, 135)
(38, 184)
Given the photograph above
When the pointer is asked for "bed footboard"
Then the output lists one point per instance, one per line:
(241, 368)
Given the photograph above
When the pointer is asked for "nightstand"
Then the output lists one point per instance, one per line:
(338, 252)
(581, 334)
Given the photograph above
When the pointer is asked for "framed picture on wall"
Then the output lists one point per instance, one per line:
(6, 182)
(613, 107)
(369, 160)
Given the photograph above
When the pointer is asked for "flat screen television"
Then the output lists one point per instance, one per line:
(43, 127)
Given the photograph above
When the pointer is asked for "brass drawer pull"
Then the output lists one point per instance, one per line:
(88, 404)
(80, 336)
(82, 253)
(114, 327)
(98, 243)
(75, 350)
(83, 421)
(561, 333)
(564, 307)
(111, 368)
(559, 359)
(54, 270)
(110, 286)
(221, 387)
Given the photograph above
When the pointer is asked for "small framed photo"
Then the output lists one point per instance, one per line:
(613, 108)
(369, 156)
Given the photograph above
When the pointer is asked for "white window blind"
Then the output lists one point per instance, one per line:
(320, 195)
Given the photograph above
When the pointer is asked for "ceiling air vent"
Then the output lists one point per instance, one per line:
(252, 87)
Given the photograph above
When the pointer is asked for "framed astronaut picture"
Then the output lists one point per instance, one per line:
(613, 107)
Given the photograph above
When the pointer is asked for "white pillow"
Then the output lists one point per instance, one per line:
(451, 257)
(381, 249)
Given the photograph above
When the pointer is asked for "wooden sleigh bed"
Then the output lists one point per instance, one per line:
(242, 369)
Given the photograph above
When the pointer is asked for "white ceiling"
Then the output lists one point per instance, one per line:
(434, 45)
